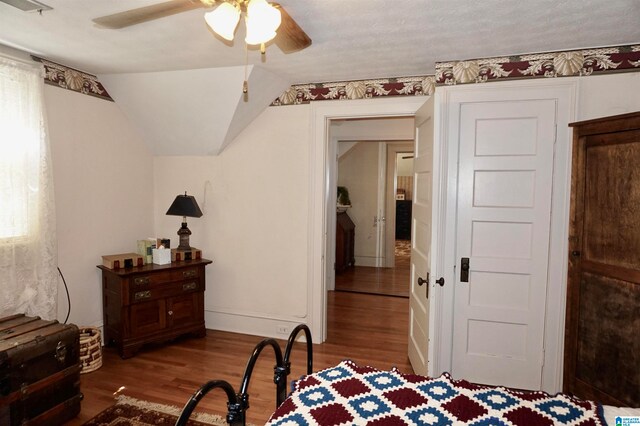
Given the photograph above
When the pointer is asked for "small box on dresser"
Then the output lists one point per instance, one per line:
(152, 303)
(39, 371)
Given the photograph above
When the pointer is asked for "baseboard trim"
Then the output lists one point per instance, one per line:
(365, 261)
(255, 326)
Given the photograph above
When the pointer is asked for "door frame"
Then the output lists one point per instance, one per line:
(448, 101)
(320, 170)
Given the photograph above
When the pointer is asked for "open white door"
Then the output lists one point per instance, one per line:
(419, 287)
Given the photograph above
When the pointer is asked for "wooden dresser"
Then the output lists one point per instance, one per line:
(152, 303)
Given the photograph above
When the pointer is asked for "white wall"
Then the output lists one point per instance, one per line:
(404, 166)
(605, 95)
(103, 179)
(255, 221)
(358, 172)
(255, 217)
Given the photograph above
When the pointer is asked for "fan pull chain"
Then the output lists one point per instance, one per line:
(245, 84)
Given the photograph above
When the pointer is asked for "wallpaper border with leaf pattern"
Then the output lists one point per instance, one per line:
(72, 79)
(568, 63)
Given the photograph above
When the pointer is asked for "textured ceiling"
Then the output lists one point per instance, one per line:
(352, 39)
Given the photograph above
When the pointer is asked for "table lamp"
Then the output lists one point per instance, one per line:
(184, 205)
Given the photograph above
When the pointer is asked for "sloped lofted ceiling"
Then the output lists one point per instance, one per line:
(352, 39)
(193, 112)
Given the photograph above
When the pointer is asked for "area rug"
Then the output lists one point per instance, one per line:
(403, 248)
(129, 411)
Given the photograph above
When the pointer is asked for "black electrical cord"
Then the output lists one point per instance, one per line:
(68, 298)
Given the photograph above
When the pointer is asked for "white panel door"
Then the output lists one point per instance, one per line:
(421, 239)
(505, 174)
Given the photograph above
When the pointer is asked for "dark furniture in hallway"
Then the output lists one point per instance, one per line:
(345, 236)
(403, 219)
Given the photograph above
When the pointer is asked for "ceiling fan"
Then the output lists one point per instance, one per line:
(290, 37)
(28, 5)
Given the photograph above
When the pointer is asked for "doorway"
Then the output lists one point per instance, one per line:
(322, 200)
(377, 175)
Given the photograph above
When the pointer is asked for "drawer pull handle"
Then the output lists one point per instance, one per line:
(142, 295)
(170, 313)
(189, 274)
(141, 281)
(189, 286)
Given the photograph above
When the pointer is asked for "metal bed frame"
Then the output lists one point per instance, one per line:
(238, 402)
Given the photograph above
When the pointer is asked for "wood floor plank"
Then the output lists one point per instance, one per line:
(388, 281)
(368, 329)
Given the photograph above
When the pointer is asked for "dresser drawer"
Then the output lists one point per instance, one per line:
(143, 281)
(167, 290)
(185, 274)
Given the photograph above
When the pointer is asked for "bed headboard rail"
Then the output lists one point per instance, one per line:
(238, 403)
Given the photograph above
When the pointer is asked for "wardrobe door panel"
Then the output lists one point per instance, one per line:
(602, 339)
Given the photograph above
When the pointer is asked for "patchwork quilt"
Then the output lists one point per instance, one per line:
(348, 394)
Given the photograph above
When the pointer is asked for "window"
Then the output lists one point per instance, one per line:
(19, 153)
(28, 255)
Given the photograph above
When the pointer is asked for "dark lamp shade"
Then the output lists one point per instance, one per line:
(185, 205)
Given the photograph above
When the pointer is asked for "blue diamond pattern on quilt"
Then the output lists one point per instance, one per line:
(349, 395)
(316, 396)
(497, 400)
(293, 420)
(333, 374)
(438, 390)
(383, 380)
(560, 410)
(429, 416)
(489, 421)
(369, 406)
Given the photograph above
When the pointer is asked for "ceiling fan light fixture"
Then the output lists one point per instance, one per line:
(224, 19)
(262, 21)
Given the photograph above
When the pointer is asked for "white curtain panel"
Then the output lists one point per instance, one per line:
(28, 249)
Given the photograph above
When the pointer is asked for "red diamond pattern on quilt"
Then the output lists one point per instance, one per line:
(348, 394)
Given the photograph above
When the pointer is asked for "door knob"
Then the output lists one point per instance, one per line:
(440, 281)
(423, 281)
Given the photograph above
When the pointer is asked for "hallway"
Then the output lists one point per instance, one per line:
(384, 281)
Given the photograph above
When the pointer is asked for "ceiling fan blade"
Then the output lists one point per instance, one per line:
(147, 13)
(291, 37)
(27, 5)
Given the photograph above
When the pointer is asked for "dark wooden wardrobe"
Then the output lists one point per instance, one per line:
(602, 335)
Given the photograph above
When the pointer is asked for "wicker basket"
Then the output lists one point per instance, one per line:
(90, 349)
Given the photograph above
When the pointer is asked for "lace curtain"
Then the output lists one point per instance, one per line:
(28, 249)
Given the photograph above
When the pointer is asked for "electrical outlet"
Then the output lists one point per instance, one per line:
(282, 329)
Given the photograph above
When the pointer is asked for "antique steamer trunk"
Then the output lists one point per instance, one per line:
(39, 371)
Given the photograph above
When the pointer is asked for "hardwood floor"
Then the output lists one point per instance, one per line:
(169, 374)
(388, 281)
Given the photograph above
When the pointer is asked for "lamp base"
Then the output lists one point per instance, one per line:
(183, 234)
